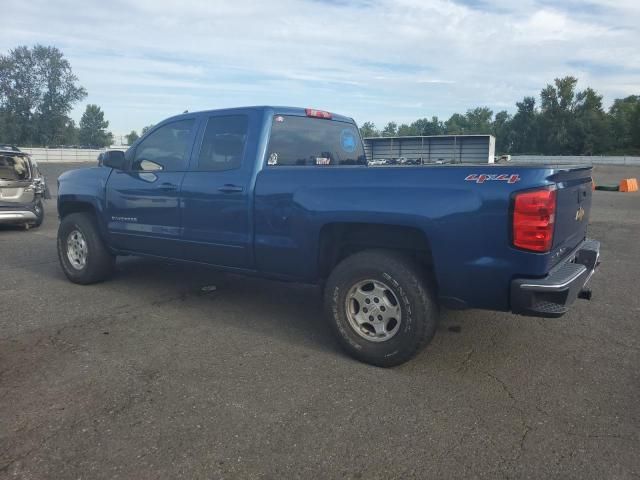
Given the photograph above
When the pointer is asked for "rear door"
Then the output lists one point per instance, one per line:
(216, 191)
(143, 202)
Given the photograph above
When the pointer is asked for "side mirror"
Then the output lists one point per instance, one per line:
(113, 159)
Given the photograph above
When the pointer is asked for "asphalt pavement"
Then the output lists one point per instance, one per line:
(150, 376)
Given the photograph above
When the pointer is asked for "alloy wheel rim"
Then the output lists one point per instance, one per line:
(77, 250)
(373, 310)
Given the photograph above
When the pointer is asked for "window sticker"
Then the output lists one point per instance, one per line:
(279, 119)
(273, 159)
(323, 161)
(348, 140)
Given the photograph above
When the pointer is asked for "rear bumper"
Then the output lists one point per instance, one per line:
(553, 295)
(12, 217)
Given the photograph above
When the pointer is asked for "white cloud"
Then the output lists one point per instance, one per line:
(375, 60)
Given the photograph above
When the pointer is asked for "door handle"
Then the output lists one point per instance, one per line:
(229, 188)
(168, 187)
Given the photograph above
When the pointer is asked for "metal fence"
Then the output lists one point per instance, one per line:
(385, 148)
(66, 155)
(577, 159)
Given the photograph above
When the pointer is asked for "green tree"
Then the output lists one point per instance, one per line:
(93, 127)
(424, 126)
(524, 127)
(390, 130)
(367, 129)
(146, 129)
(478, 120)
(556, 116)
(456, 125)
(502, 130)
(405, 130)
(70, 134)
(571, 121)
(132, 137)
(624, 118)
(37, 91)
(590, 133)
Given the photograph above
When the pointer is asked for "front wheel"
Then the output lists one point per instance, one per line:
(83, 255)
(381, 307)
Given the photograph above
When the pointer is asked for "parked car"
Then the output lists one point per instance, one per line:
(9, 147)
(22, 189)
(287, 193)
(377, 162)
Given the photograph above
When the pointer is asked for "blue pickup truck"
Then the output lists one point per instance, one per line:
(286, 193)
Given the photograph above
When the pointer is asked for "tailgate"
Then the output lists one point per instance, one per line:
(12, 193)
(572, 209)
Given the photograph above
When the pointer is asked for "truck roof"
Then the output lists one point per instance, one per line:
(277, 110)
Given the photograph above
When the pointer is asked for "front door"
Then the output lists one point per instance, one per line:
(216, 195)
(143, 202)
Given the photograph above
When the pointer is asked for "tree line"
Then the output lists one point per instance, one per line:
(38, 90)
(566, 121)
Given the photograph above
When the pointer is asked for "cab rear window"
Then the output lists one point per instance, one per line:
(305, 141)
(14, 167)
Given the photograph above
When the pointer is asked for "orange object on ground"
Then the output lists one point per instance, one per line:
(629, 185)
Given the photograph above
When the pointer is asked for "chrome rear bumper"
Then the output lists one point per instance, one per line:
(553, 295)
(16, 216)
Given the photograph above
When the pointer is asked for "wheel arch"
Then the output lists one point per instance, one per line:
(67, 206)
(339, 240)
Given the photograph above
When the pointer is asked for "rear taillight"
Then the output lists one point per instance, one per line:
(318, 113)
(534, 214)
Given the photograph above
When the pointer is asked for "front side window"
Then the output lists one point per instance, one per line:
(306, 141)
(223, 143)
(165, 149)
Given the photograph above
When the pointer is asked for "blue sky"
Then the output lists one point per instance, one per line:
(373, 60)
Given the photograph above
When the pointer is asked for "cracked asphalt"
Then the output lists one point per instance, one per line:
(147, 376)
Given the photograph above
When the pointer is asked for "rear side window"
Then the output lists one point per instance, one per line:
(165, 149)
(305, 141)
(223, 143)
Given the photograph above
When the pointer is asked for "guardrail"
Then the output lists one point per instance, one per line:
(577, 159)
(72, 155)
(66, 155)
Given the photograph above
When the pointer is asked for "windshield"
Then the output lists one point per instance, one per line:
(14, 167)
(304, 141)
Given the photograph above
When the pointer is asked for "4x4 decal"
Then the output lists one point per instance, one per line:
(485, 177)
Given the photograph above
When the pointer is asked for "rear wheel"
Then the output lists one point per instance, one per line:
(82, 253)
(38, 209)
(381, 307)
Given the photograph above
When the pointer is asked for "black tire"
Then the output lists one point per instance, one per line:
(99, 262)
(416, 299)
(608, 188)
(39, 211)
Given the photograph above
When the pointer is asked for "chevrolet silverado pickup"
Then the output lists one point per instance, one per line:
(286, 193)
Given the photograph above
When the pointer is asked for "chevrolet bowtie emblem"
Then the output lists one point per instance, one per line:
(580, 214)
